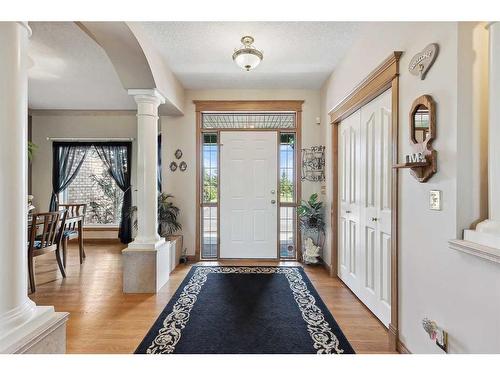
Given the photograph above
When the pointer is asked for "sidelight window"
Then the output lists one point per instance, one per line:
(287, 212)
(210, 188)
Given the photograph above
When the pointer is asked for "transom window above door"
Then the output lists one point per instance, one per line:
(239, 120)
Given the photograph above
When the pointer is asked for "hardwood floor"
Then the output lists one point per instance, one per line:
(104, 320)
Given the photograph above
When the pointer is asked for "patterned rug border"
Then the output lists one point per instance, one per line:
(318, 336)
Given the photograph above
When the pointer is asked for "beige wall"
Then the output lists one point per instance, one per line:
(74, 126)
(461, 292)
(180, 132)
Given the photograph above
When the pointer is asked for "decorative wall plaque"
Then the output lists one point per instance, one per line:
(173, 166)
(423, 161)
(178, 153)
(313, 163)
(422, 61)
(183, 166)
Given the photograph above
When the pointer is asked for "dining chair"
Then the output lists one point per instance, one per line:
(74, 227)
(45, 236)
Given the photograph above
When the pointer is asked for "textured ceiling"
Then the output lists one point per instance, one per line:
(70, 71)
(297, 55)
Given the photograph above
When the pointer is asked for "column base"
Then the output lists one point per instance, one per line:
(147, 269)
(487, 233)
(146, 244)
(44, 333)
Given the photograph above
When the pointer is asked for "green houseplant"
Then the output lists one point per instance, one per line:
(168, 214)
(312, 225)
(31, 150)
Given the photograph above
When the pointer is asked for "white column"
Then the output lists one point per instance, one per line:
(487, 233)
(15, 306)
(494, 125)
(147, 174)
(24, 327)
(146, 261)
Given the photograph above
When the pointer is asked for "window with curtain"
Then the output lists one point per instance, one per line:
(94, 186)
(97, 174)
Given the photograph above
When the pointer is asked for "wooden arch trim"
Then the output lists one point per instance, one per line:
(385, 76)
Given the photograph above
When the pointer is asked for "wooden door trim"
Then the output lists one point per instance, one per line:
(248, 105)
(382, 78)
(294, 106)
(378, 81)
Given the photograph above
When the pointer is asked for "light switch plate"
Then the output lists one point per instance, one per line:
(435, 200)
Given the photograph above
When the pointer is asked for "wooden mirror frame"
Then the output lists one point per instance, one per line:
(424, 170)
(427, 102)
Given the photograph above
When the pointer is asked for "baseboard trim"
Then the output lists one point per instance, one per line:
(328, 268)
(98, 240)
(402, 348)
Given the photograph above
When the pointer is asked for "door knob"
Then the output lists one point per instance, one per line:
(273, 191)
(374, 219)
(273, 201)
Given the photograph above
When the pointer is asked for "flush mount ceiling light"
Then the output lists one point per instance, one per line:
(247, 56)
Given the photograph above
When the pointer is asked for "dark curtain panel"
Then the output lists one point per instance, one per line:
(117, 159)
(67, 158)
(159, 164)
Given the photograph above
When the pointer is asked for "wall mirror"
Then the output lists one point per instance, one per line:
(421, 123)
(423, 120)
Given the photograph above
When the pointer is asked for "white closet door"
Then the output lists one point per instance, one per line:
(349, 202)
(373, 229)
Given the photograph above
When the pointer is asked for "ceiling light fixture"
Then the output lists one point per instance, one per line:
(247, 56)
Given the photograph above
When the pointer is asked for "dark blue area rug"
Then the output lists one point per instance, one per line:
(245, 310)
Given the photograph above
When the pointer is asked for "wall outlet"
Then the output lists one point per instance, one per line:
(435, 200)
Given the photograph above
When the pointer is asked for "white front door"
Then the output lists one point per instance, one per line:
(248, 194)
(365, 147)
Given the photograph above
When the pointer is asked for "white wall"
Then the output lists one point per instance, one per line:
(180, 132)
(73, 125)
(461, 292)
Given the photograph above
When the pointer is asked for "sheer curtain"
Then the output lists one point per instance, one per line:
(117, 156)
(67, 159)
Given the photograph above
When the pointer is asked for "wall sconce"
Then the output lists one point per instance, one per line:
(436, 334)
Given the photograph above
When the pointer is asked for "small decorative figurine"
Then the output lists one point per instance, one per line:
(436, 334)
(311, 254)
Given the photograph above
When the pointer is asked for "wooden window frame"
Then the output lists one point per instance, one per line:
(384, 77)
(202, 106)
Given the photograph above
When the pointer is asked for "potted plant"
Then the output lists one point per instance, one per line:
(312, 225)
(168, 214)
